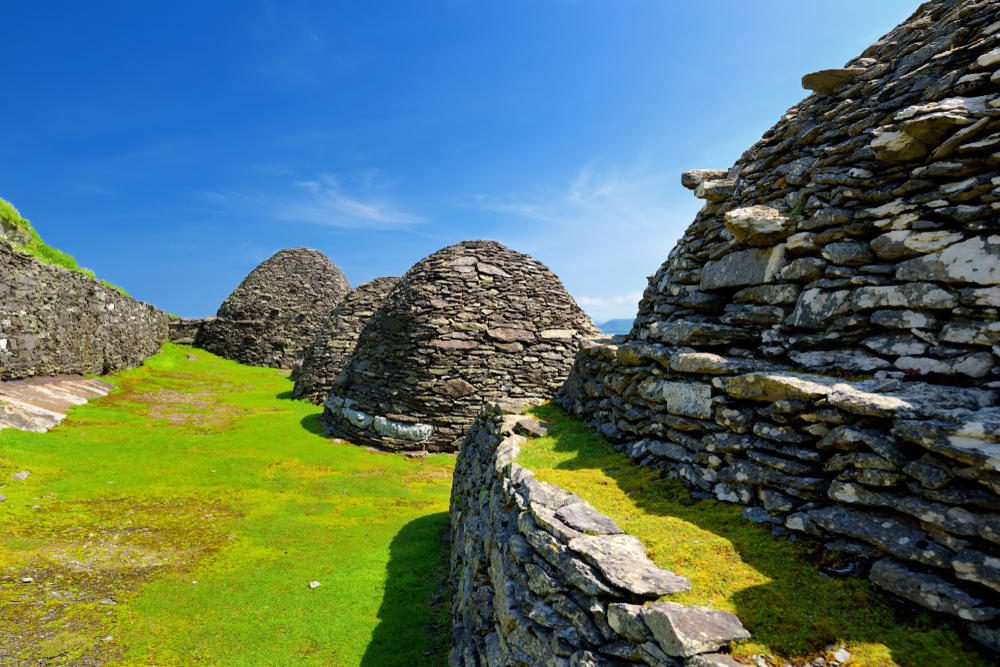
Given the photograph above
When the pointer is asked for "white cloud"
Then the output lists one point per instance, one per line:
(600, 302)
(593, 197)
(324, 201)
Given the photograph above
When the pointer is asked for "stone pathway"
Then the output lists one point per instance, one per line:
(38, 404)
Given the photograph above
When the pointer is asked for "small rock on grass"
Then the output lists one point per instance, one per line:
(3, 498)
(20, 476)
(191, 357)
(841, 655)
(27, 580)
(314, 584)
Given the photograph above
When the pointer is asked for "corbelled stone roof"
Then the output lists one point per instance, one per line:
(277, 310)
(325, 358)
(470, 323)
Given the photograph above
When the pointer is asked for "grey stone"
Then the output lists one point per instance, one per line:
(746, 267)
(584, 518)
(693, 399)
(758, 225)
(976, 260)
(979, 567)
(20, 476)
(816, 307)
(626, 620)
(826, 81)
(622, 560)
(685, 631)
(692, 179)
(884, 532)
(930, 591)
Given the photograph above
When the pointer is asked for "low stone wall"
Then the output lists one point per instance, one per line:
(184, 330)
(900, 474)
(53, 320)
(541, 578)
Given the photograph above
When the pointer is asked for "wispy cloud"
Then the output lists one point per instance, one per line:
(324, 201)
(591, 197)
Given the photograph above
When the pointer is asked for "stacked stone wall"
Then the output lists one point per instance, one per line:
(822, 343)
(185, 330)
(57, 321)
(540, 577)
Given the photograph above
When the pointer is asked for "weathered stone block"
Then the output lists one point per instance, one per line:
(745, 267)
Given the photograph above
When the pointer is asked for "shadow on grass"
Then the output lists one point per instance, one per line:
(799, 611)
(413, 624)
(313, 424)
(284, 396)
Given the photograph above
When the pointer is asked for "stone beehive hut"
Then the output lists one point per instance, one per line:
(277, 310)
(822, 344)
(472, 322)
(325, 358)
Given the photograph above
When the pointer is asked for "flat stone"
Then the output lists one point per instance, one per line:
(691, 399)
(816, 307)
(903, 319)
(622, 560)
(826, 81)
(692, 179)
(906, 295)
(744, 267)
(684, 631)
(776, 386)
(716, 190)
(889, 534)
(758, 225)
(583, 517)
(712, 660)
(685, 332)
(978, 567)
(626, 620)
(20, 476)
(976, 260)
(848, 253)
(896, 146)
(903, 243)
(531, 428)
(394, 429)
(848, 360)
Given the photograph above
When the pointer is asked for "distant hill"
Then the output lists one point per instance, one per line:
(616, 326)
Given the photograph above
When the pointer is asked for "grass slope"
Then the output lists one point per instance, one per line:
(771, 584)
(11, 218)
(182, 517)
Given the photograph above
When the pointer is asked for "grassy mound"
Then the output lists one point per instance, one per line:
(774, 586)
(182, 518)
(30, 242)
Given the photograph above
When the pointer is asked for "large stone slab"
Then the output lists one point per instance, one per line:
(683, 631)
(930, 591)
(691, 399)
(758, 225)
(744, 267)
(976, 260)
(622, 560)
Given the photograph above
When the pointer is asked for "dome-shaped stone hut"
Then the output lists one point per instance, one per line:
(472, 322)
(325, 358)
(277, 310)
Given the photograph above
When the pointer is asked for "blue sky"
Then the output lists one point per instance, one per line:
(171, 147)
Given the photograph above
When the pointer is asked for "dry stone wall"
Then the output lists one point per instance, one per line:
(53, 320)
(822, 343)
(185, 330)
(474, 321)
(540, 577)
(277, 311)
(325, 358)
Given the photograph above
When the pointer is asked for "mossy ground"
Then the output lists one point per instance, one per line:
(774, 586)
(181, 518)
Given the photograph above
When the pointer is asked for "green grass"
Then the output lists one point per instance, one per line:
(39, 249)
(205, 471)
(771, 584)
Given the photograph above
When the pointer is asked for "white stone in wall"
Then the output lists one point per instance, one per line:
(976, 260)
(692, 399)
(758, 225)
(394, 429)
